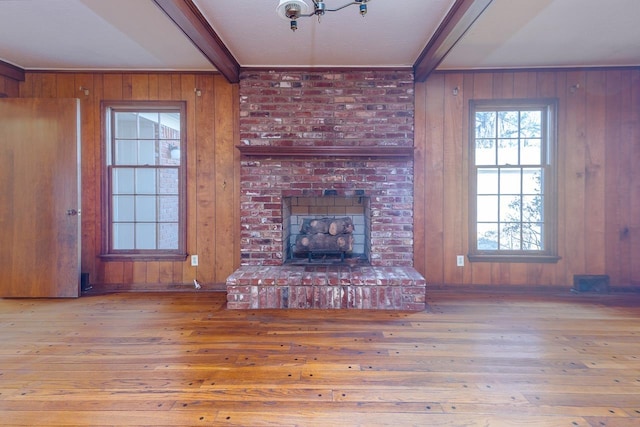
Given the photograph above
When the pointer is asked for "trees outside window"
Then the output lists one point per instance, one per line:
(512, 180)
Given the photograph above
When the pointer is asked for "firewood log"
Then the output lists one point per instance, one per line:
(321, 242)
(315, 225)
(341, 226)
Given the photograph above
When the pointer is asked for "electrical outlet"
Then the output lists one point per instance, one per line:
(194, 260)
(460, 260)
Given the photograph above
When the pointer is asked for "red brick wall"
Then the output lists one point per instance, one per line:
(363, 108)
(305, 108)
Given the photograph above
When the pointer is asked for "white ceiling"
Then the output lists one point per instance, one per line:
(551, 33)
(392, 34)
(137, 35)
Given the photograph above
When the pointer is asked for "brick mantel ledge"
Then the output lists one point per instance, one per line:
(326, 151)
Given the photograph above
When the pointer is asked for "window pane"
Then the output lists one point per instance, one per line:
(146, 181)
(532, 181)
(146, 208)
(147, 128)
(126, 125)
(487, 209)
(508, 152)
(532, 208)
(532, 236)
(170, 125)
(510, 181)
(168, 236)
(487, 181)
(123, 208)
(510, 236)
(122, 181)
(170, 153)
(508, 124)
(168, 209)
(123, 236)
(485, 152)
(531, 124)
(487, 236)
(147, 152)
(168, 181)
(510, 209)
(531, 152)
(145, 236)
(126, 152)
(485, 124)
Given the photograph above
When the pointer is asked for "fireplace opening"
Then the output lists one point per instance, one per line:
(328, 229)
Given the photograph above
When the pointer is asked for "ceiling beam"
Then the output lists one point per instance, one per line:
(185, 14)
(11, 71)
(460, 18)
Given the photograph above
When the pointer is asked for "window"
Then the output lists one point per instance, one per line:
(144, 180)
(512, 181)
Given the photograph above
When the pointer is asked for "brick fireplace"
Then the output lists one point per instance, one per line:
(342, 140)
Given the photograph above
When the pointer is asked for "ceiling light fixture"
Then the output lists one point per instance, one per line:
(294, 9)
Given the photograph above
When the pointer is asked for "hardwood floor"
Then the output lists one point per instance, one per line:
(474, 359)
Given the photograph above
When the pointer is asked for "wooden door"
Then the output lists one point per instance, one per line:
(39, 197)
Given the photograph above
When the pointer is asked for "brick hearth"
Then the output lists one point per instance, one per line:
(306, 134)
(326, 287)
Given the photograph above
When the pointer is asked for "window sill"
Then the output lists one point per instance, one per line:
(542, 259)
(144, 257)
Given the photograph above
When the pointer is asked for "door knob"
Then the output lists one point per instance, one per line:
(72, 212)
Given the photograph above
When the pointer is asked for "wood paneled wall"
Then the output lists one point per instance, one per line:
(8, 87)
(599, 175)
(598, 194)
(212, 171)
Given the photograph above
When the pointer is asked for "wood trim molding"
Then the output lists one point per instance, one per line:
(186, 15)
(459, 19)
(11, 71)
(326, 151)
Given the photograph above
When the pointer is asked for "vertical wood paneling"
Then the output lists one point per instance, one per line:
(453, 169)
(164, 87)
(154, 89)
(571, 171)
(9, 87)
(594, 172)
(634, 178)
(66, 86)
(90, 140)
(183, 88)
(211, 157)
(225, 196)
(205, 177)
(625, 164)
(420, 180)
(434, 179)
(140, 87)
(235, 111)
(615, 235)
(44, 85)
(598, 185)
(139, 272)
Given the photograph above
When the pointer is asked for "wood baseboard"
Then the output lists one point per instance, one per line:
(106, 288)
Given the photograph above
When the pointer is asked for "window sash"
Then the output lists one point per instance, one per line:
(145, 186)
(520, 217)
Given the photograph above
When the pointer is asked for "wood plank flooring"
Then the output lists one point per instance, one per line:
(183, 359)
